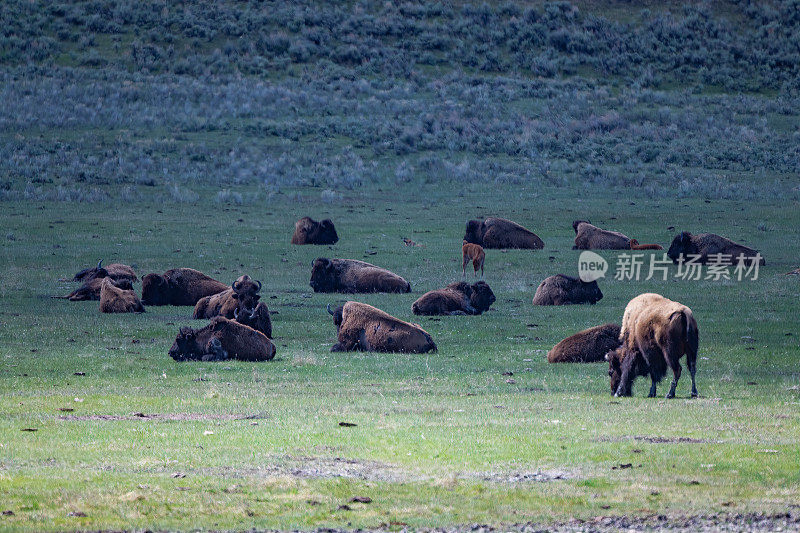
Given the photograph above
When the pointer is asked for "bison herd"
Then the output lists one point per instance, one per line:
(655, 332)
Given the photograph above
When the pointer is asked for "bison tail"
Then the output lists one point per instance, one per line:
(692, 335)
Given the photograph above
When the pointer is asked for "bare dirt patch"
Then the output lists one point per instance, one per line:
(165, 417)
(658, 439)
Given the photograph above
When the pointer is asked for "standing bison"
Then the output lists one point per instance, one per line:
(656, 332)
(179, 286)
(456, 299)
(222, 339)
(113, 299)
(563, 290)
(115, 271)
(501, 233)
(351, 276)
(590, 237)
(587, 346)
(309, 231)
(709, 244)
(363, 327)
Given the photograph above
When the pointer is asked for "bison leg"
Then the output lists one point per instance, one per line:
(464, 266)
(691, 362)
(652, 385)
(676, 375)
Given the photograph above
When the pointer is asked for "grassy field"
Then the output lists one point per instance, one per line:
(445, 438)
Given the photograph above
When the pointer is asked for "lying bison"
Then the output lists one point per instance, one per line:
(587, 346)
(258, 318)
(590, 237)
(707, 245)
(309, 231)
(363, 327)
(351, 275)
(563, 290)
(179, 286)
(115, 271)
(114, 299)
(456, 299)
(242, 293)
(501, 233)
(90, 290)
(222, 339)
(655, 334)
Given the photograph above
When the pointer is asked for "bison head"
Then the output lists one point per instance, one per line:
(473, 233)
(323, 275)
(337, 315)
(185, 345)
(578, 223)
(614, 358)
(681, 244)
(245, 291)
(155, 290)
(325, 233)
(88, 274)
(482, 296)
(591, 292)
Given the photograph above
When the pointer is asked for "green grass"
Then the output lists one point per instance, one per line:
(441, 439)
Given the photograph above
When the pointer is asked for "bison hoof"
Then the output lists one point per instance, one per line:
(695, 394)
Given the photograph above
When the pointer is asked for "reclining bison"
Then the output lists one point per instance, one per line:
(90, 290)
(587, 346)
(240, 302)
(501, 233)
(706, 245)
(309, 231)
(363, 327)
(456, 299)
(656, 332)
(114, 299)
(179, 286)
(222, 339)
(563, 290)
(115, 271)
(590, 237)
(351, 276)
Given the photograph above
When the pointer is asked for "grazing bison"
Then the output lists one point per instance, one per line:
(472, 252)
(222, 339)
(590, 237)
(258, 318)
(563, 290)
(708, 244)
(309, 231)
(363, 327)
(455, 299)
(501, 233)
(242, 293)
(90, 290)
(116, 300)
(655, 334)
(587, 346)
(115, 271)
(351, 275)
(636, 246)
(179, 286)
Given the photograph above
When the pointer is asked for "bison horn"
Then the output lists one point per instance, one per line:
(100, 262)
(312, 263)
(259, 286)
(329, 309)
(236, 314)
(233, 286)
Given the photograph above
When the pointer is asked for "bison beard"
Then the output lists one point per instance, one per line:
(363, 327)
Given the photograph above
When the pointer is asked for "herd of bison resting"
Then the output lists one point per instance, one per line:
(655, 332)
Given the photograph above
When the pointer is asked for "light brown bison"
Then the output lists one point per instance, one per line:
(115, 271)
(655, 334)
(351, 275)
(636, 246)
(706, 245)
(363, 327)
(587, 346)
(258, 318)
(116, 300)
(90, 290)
(501, 233)
(472, 252)
(590, 237)
(179, 286)
(222, 339)
(455, 299)
(309, 231)
(242, 293)
(564, 290)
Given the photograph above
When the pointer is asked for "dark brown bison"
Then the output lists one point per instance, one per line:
(456, 299)
(222, 339)
(708, 244)
(587, 346)
(116, 300)
(590, 237)
(179, 286)
(258, 318)
(242, 293)
(501, 233)
(90, 290)
(309, 231)
(655, 334)
(115, 271)
(363, 327)
(351, 275)
(563, 290)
